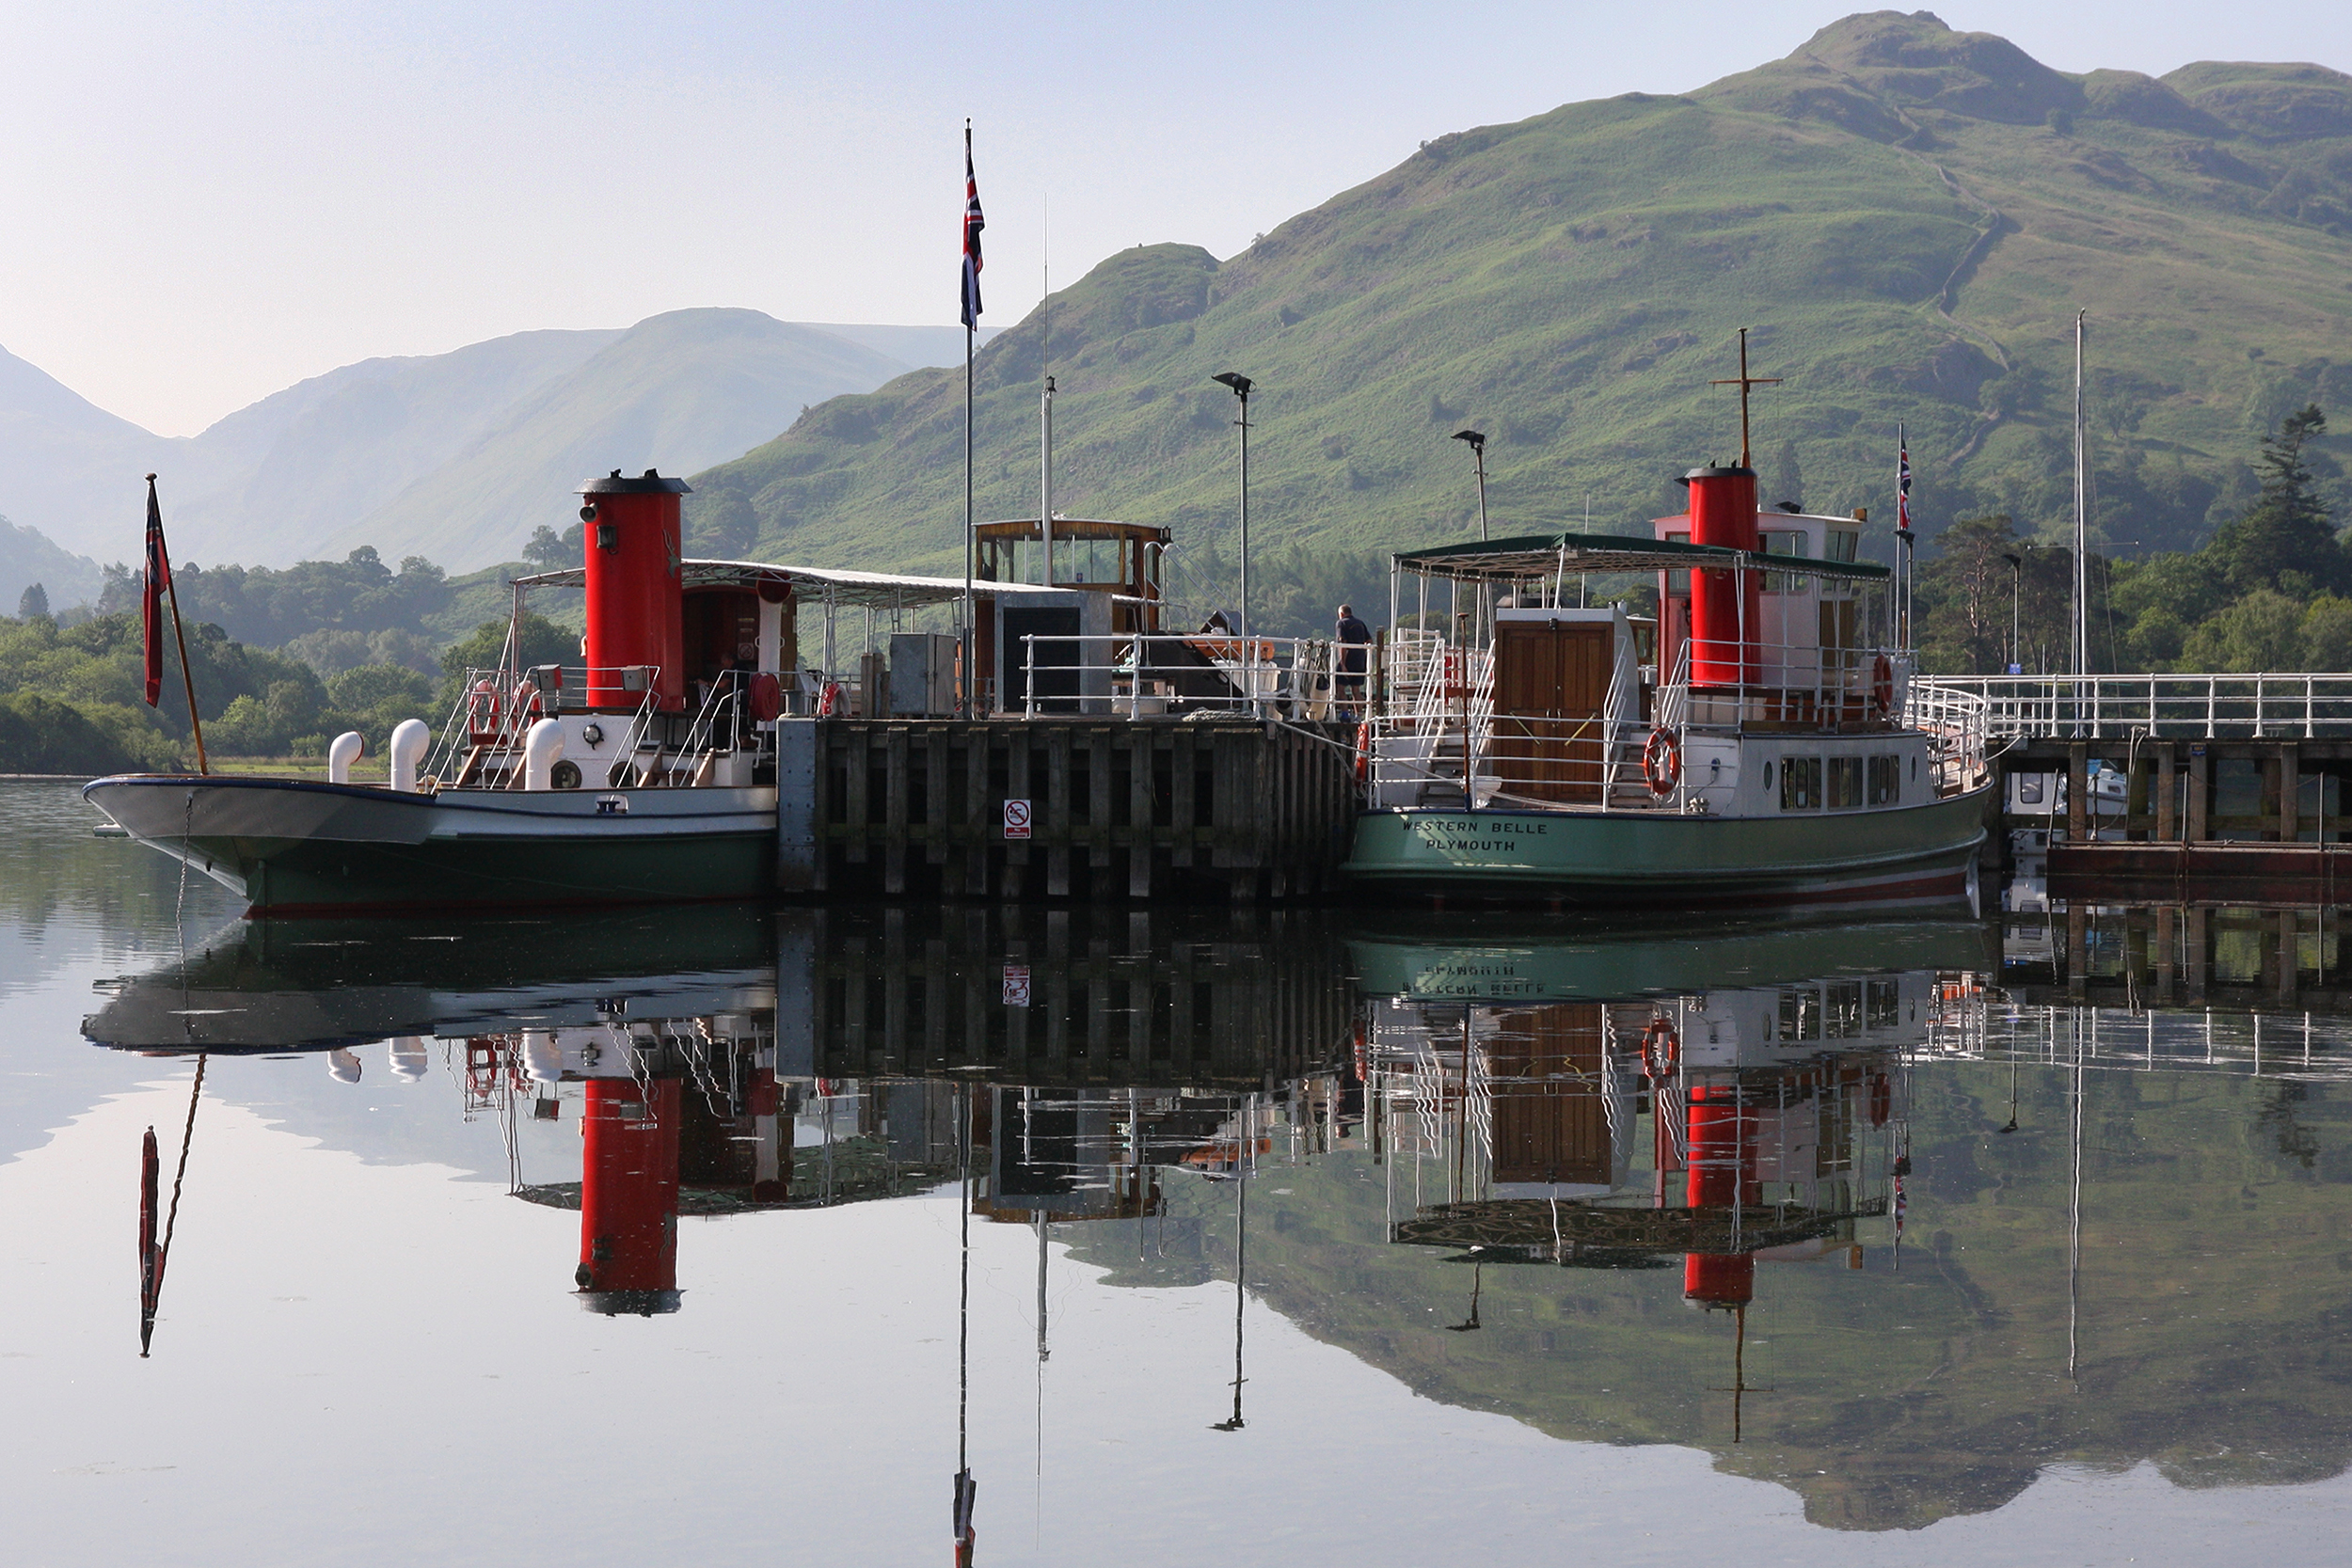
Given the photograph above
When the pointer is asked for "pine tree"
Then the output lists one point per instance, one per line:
(2286, 539)
(35, 602)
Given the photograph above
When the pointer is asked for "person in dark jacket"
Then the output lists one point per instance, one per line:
(1355, 644)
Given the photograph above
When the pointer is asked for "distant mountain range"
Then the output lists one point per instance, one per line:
(1907, 216)
(455, 455)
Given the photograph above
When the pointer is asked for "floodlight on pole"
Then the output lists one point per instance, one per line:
(2016, 586)
(1241, 384)
(1477, 439)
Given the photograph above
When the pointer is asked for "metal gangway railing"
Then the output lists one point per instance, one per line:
(2252, 706)
(1138, 676)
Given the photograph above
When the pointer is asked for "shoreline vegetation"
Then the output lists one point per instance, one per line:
(361, 646)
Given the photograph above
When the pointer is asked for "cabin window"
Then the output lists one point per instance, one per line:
(1883, 1006)
(2030, 789)
(1845, 783)
(1841, 545)
(1679, 583)
(1801, 1015)
(1841, 1010)
(1780, 541)
(1886, 780)
(1801, 784)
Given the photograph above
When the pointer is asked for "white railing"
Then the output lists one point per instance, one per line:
(2112, 708)
(1172, 675)
(482, 737)
(1957, 723)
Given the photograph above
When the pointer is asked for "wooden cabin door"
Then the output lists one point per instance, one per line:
(1552, 680)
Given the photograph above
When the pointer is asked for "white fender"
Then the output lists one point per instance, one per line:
(409, 740)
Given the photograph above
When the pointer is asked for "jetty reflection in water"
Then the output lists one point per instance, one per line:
(1895, 1213)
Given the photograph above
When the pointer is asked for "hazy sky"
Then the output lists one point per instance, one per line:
(208, 203)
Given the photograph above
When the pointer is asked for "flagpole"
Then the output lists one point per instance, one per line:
(971, 291)
(187, 677)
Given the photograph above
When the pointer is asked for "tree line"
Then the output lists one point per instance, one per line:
(2270, 589)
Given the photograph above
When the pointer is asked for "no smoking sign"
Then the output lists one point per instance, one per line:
(1016, 819)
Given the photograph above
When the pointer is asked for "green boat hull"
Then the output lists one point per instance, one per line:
(1921, 854)
(296, 848)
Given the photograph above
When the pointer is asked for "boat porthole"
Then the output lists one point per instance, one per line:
(564, 775)
(1768, 775)
(1914, 770)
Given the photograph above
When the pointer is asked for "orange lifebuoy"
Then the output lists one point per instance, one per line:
(1662, 1049)
(482, 712)
(1881, 685)
(1363, 750)
(1661, 762)
(527, 702)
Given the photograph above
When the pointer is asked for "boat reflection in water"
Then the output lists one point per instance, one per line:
(1965, 1216)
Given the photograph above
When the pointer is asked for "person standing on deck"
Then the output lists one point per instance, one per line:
(1355, 642)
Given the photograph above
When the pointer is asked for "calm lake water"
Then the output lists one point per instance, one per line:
(737, 1235)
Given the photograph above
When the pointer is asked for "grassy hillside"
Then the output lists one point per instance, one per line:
(1907, 216)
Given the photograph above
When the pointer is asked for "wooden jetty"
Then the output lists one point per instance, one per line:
(1084, 807)
(1214, 998)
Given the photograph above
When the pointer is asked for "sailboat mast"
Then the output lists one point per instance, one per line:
(2082, 515)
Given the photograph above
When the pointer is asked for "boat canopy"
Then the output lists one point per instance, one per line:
(1543, 555)
(870, 590)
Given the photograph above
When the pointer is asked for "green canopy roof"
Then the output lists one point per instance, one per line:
(1541, 555)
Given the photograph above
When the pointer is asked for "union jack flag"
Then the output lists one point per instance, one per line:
(1902, 480)
(973, 224)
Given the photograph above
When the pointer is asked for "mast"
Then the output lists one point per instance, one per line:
(1045, 409)
(1045, 477)
(2082, 515)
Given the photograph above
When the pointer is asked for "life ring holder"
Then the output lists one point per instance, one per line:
(483, 709)
(1881, 685)
(1662, 1049)
(829, 700)
(1661, 762)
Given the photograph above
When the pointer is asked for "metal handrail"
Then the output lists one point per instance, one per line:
(1277, 677)
(2258, 705)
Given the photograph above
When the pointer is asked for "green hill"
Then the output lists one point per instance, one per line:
(1908, 217)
